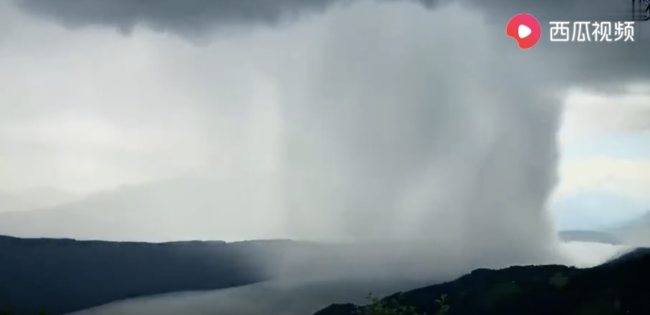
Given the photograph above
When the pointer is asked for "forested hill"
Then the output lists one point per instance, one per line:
(617, 287)
(64, 275)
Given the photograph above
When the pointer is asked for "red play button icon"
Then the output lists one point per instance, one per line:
(525, 29)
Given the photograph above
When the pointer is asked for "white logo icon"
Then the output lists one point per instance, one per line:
(523, 31)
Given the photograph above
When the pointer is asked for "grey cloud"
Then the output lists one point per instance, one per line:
(630, 113)
(640, 122)
(598, 65)
(413, 123)
(193, 17)
(392, 130)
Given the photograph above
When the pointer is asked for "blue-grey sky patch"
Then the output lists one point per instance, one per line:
(631, 146)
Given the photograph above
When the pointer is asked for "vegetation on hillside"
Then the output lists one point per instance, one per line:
(614, 288)
(394, 306)
(377, 306)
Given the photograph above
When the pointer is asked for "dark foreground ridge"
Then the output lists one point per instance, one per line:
(621, 286)
(64, 275)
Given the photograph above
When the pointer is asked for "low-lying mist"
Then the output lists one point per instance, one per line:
(306, 295)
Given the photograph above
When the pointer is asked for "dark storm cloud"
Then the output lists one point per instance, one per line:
(596, 64)
(601, 67)
(191, 17)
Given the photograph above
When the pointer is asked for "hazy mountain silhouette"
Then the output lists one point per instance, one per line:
(64, 275)
(167, 210)
(635, 232)
(10, 202)
(35, 198)
(589, 236)
(593, 210)
(46, 196)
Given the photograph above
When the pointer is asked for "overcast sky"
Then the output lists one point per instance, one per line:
(89, 109)
(365, 107)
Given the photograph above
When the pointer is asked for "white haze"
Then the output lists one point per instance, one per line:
(290, 297)
(358, 124)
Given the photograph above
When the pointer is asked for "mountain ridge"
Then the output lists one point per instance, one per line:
(615, 287)
(65, 275)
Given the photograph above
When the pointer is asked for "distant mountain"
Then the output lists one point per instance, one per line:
(35, 198)
(64, 275)
(10, 202)
(634, 232)
(167, 210)
(45, 196)
(593, 210)
(589, 236)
